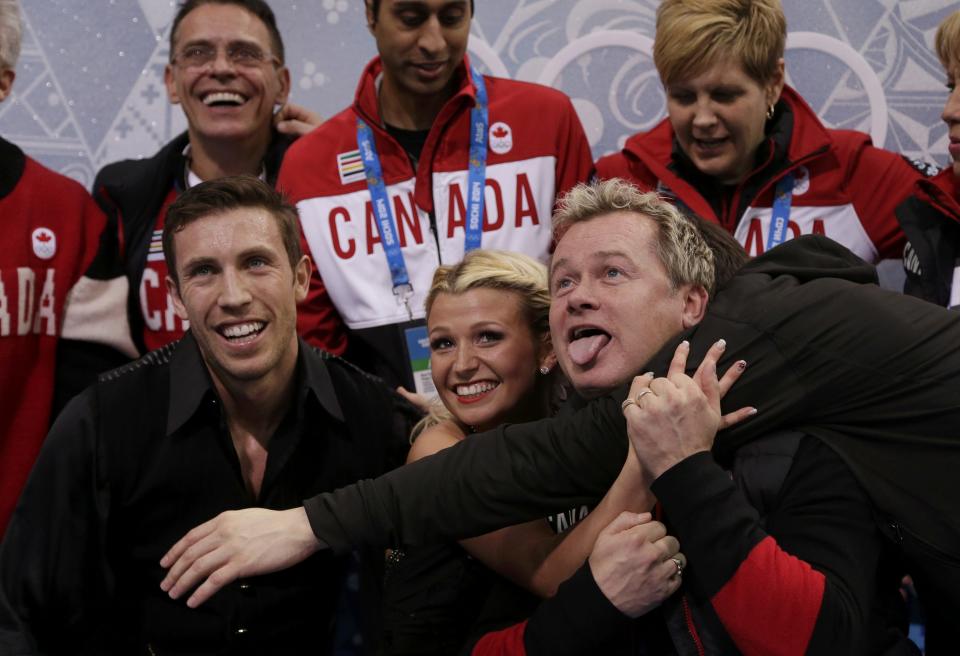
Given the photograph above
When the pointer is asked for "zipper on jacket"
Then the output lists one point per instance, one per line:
(691, 628)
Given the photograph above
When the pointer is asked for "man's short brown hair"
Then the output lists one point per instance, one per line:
(225, 194)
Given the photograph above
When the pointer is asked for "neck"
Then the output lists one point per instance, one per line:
(408, 111)
(257, 407)
(211, 159)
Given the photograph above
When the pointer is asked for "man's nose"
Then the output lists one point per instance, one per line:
(431, 36)
(234, 291)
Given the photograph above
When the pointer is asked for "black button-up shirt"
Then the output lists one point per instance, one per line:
(141, 458)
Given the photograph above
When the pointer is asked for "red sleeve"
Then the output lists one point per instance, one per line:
(318, 320)
(506, 642)
(873, 169)
(574, 159)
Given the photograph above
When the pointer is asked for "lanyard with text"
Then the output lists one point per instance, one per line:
(780, 219)
(476, 179)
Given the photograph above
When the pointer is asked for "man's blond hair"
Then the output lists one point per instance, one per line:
(680, 245)
(693, 35)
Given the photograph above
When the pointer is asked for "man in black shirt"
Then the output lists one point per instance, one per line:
(239, 413)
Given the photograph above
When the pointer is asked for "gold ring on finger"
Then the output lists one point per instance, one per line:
(679, 564)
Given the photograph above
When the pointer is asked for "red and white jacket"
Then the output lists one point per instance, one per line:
(50, 233)
(844, 187)
(536, 150)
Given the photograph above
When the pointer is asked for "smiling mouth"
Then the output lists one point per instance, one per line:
(223, 99)
(586, 343)
(474, 391)
(242, 333)
(710, 143)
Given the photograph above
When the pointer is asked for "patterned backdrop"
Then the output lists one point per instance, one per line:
(89, 88)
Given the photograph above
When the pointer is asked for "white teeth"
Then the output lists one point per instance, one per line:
(223, 96)
(475, 388)
(242, 330)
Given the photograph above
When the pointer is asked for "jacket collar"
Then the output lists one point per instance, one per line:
(12, 163)
(365, 101)
(943, 192)
(190, 383)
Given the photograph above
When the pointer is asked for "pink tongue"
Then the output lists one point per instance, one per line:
(585, 349)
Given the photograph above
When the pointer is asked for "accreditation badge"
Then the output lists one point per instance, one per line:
(418, 352)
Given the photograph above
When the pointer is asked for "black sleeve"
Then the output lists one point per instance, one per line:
(579, 619)
(512, 474)
(54, 577)
(806, 575)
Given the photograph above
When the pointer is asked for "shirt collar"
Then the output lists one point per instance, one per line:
(12, 163)
(190, 383)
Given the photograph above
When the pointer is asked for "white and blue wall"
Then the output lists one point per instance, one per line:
(89, 86)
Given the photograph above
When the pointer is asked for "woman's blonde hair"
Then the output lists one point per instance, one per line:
(492, 269)
(692, 35)
(948, 41)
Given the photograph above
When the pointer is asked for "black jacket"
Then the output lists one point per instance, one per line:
(873, 374)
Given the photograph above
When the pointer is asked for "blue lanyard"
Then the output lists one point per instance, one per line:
(780, 220)
(476, 180)
(477, 175)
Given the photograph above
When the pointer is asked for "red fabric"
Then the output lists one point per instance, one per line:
(32, 294)
(507, 642)
(161, 325)
(771, 603)
(841, 172)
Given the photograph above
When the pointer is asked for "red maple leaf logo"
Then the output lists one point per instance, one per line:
(44, 237)
(500, 132)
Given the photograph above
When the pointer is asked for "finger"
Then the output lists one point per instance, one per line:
(706, 375)
(625, 521)
(221, 577)
(186, 560)
(679, 363)
(640, 383)
(735, 417)
(708, 366)
(668, 545)
(200, 569)
(194, 535)
(291, 126)
(651, 531)
(731, 375)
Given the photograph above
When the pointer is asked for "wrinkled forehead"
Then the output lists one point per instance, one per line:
(625, 233)
(222, 23)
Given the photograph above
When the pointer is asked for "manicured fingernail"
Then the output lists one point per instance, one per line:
(650, 373)
(721, 344)
(685, 344)
(741, 365)
(752, 411)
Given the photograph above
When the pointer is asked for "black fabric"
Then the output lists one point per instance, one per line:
(412, 141)
(578, 620)
(12, 163)
(930, 219)
(432, 595)
(140, 459)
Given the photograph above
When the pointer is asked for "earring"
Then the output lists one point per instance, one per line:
(770, 111)
(544, 370)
